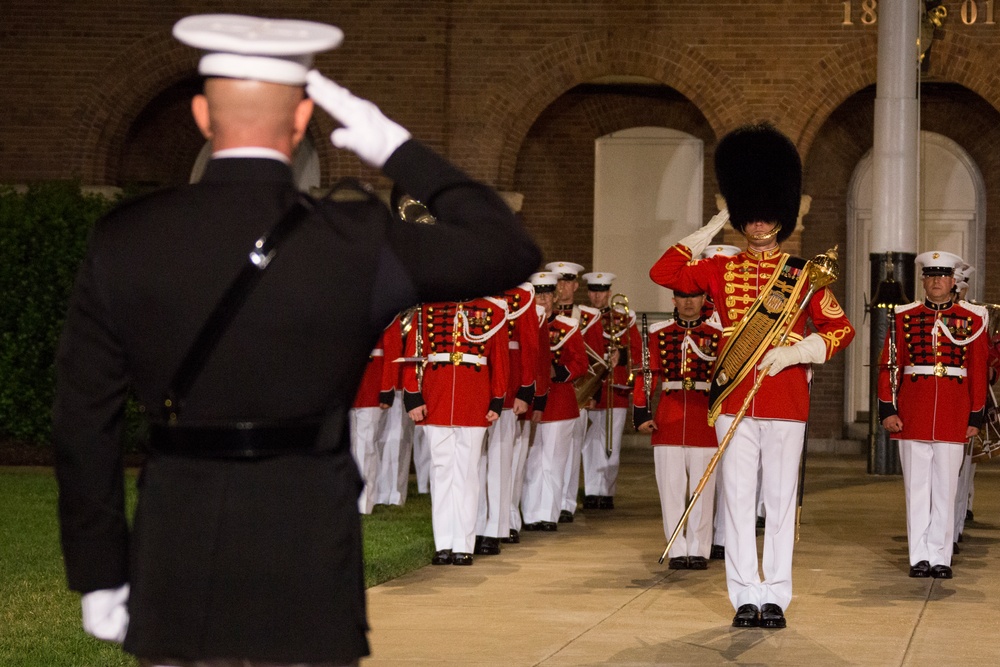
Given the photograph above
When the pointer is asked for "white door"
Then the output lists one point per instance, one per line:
(647, 196)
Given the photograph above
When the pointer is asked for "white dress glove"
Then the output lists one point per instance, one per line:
(700, 239)
(105, 615)
(366, 131)
(809, 350)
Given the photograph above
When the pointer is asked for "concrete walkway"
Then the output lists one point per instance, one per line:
(593, 593)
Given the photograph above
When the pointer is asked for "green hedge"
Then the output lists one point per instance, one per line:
(43, 233)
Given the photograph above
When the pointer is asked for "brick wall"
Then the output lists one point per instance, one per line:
(98, 91)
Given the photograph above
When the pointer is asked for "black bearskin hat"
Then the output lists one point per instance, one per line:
(760, 176)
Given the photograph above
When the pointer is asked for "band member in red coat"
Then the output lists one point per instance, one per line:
(367, 414)
(600, 469)
(543, 366)
(460, 394)
(555, 414)
(760, 174)
(497, 462)
(568, 274)
(932, 399)
(682, 351)
(396, 439)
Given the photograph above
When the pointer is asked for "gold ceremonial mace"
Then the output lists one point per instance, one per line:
(822, 271)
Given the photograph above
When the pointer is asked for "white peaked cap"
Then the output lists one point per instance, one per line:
(564, 268)
(544, 281)
(260, 49)
(599, 279)
(939, 262)
(727, 250)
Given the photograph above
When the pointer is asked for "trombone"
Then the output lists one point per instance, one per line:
(617, 329)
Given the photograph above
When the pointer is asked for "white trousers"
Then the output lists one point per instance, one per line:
(545, 471)
(366, 428)
(719, 513)
(678, 472)
(600, 472)
(495, 469)
(571, 474)
(522, 444)
(421, 461)
(963, 494)
(454, 482)
(776, 447)
(930, 477)
(397, 447)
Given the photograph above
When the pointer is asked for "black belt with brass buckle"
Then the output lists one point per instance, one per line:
(240, 440)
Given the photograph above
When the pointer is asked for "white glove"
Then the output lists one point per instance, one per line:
(809, 350)
(365, 132)
(105, 615)
(700, 239)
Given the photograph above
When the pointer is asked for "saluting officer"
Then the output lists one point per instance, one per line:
(932, 399)
(555, 412)
(246, 545)
(682, 351)
(461, 394)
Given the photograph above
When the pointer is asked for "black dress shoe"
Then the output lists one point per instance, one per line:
(954, 547)
(941, 572)
(605, 502)
(697, 563)
(590, 502)
(461, 559)
(969, 516)
(488, 546)
(548, 526)
(772, 617)
(513, 539)
(746, 616)
(442, 557)
(718, 552)
(921, 570)
(678, 563)
(565, 516)
(529, 527)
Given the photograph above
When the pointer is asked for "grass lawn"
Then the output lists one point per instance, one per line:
(40, 618)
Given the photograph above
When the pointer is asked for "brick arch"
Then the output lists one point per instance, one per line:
(846, 70)
(118, 95)
(124, 88)
(960, 59)
(514, 105)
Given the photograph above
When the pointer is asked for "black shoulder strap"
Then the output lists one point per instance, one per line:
(229, 305)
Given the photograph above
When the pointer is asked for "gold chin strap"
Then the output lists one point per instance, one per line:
(766, 236)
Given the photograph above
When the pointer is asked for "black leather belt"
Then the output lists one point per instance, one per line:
(242, 440)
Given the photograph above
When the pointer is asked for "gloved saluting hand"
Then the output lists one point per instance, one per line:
(809, 350)
(105, 615)
(366, 131)
(700, 239)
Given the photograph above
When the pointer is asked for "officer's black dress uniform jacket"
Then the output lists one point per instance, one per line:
(256, 559)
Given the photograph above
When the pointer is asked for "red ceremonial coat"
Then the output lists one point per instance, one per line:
(523, 344)
(466, 371)
(941, 356)
(569, 361)
(733, 283)
(681, 355)
(380, 373)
